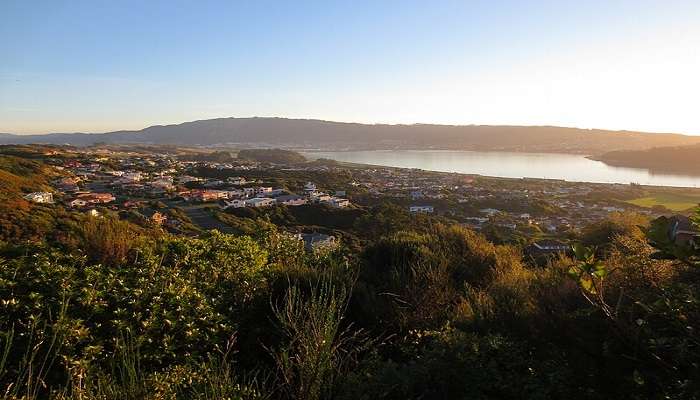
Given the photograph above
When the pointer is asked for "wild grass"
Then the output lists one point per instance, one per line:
(319, 348)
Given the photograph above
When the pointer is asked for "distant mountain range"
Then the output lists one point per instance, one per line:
(318, 134)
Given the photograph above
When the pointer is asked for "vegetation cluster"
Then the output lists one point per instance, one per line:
(414, 307)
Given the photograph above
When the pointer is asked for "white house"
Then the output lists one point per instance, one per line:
(77, 203)
(310, 187)
(421, 209)
(232, 194)
(320, 198)
(291, 200)
(260, 202)
(263, 190)
(40, 197)
(489, 211)
(237, 180)
(236, 203)
(338, 202)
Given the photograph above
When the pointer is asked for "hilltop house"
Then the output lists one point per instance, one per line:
(683, 232)
(319, 198)
(208, 195)
(291, 200)
(77, 203)
(67, 184)
(310, 187)
(338, 202)
(547, 246)
(235, 203)
(421, 209)
(91, 198)
(260, 202)
(263, 190)
(40, 197)
(237, 180)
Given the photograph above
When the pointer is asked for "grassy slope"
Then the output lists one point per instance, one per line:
(672, 201)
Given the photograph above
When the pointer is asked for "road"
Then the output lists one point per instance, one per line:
(202, 217)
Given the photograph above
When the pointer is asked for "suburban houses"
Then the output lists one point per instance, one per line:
(146, 183)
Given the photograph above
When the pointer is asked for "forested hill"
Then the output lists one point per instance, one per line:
(679, 159)
(306, 133)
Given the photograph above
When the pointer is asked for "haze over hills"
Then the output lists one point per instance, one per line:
(313, 134)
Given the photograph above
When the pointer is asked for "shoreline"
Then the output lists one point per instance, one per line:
(317, 154)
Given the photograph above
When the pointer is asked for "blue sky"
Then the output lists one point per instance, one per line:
(97, 66)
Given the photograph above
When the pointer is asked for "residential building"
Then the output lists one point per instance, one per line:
(547, 246)
(682, 232)
(260, 202)
(421, 209)
(77, 203)
(339, 203)
(263, 190)
(235, 203)
(291, 200)
(208, 195)
(96, 197)
(40, 197)
(310, 187)
(320, 198)
(237, 180)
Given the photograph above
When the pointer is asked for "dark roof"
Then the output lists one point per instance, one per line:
(289, 197)
(682, 223)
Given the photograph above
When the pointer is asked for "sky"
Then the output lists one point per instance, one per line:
(97, 66)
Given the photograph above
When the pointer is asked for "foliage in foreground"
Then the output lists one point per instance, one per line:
(438, 313)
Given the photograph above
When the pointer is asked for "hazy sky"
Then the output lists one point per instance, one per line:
(106, 65)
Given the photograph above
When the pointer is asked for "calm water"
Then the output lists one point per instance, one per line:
(510, 165)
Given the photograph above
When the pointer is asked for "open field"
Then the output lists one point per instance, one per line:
(672, 201)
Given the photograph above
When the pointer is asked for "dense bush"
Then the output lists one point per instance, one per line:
(425, 310)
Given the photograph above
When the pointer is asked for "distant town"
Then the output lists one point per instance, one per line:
(182, 195)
